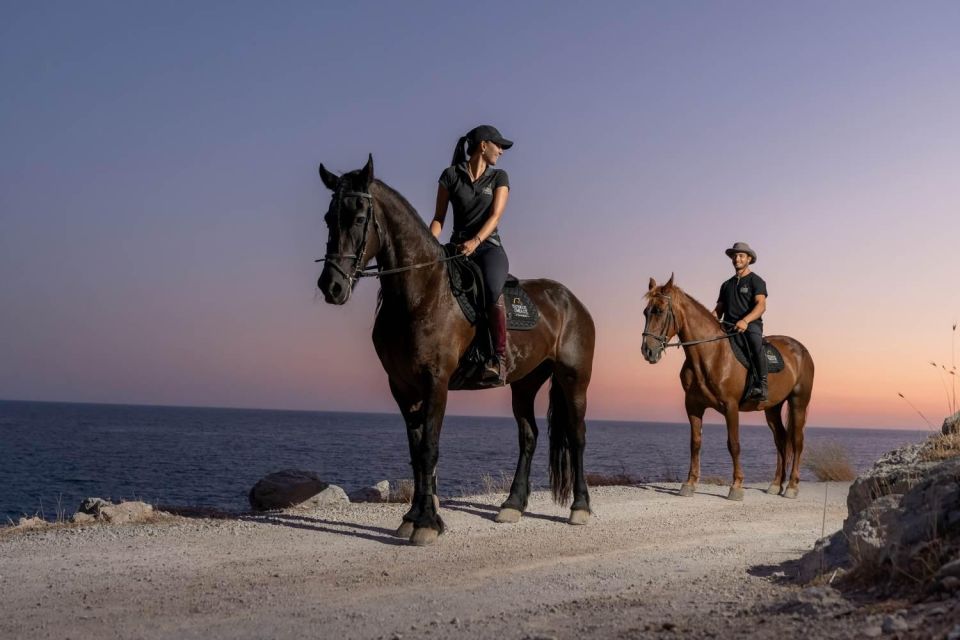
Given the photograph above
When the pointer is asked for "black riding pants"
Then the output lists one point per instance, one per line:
(495, 266)
(754, 336)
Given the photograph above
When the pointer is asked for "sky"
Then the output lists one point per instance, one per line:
(160, 208)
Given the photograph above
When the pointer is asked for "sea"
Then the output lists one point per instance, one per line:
(53, 455)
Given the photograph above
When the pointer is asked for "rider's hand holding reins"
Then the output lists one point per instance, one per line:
(741, 326)
(470, 246)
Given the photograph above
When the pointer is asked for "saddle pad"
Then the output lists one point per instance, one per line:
(522, 313)
(774, 359)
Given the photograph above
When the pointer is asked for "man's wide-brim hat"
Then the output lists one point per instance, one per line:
(489, 133)
(742, 247)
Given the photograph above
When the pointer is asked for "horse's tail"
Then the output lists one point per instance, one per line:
(559, 424)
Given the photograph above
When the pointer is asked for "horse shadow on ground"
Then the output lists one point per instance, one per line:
(674, 492)
(309, 523)
(292, 520)
(489, 512)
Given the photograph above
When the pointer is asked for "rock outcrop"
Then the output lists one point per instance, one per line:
(903, 519)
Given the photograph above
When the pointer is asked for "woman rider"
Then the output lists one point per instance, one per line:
(478, 193)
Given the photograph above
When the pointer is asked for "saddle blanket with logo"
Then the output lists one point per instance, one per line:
(774, 358)
(466, 281)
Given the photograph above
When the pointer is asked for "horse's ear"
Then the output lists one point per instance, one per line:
(652, 285)
(669, 282)
(366, 174)
(328, 178)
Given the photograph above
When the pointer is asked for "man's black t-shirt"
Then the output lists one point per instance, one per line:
(472, 201)
(737, 297)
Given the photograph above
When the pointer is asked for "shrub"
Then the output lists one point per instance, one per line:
(829, 461)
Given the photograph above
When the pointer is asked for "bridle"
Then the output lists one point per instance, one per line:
(672, 318)
(359, 271)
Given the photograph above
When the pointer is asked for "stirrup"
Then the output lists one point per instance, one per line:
(495, 372)
(757, 393)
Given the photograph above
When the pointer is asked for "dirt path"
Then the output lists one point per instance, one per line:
(649, 564)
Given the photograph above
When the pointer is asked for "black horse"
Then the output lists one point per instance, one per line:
(420, 334)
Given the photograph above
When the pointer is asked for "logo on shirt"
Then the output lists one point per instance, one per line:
(744, 290)
(487, 191)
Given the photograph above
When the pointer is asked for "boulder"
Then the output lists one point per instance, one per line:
(125, 512)
(329, 497)
(92, 506)
(379, 492)
(31, 523)
(284, 489)
(100, 510)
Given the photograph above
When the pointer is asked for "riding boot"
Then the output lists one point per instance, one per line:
(497, 319)
(759, 392)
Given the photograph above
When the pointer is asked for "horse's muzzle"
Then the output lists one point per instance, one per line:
(334, 287)
(651, 355)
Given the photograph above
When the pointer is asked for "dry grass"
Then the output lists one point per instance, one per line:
(621, 479)
(401, 492)
(829, 462)
(495, 484)
(941, 447)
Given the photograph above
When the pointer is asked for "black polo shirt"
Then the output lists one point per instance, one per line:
(737, 297)
(472, 201)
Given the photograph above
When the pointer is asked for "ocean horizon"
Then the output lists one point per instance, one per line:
(54, 454)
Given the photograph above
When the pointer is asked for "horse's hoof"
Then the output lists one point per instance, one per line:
(774, 489)
(791, 493)
(405, 530)
(686, 490)
(424, 536)
(736, 494)
(579, 516)
(508, 516)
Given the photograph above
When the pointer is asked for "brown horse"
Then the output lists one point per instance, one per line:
(713, 378)
(420, 334)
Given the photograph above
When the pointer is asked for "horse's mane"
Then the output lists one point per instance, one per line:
(673, 290)
(403, 206)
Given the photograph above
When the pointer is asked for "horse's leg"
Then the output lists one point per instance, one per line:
(775, 422)
(524, 392)
(569, 412)
(695, 416)
(733, 446)
(796, 419)
(427, 524)
(412, 411)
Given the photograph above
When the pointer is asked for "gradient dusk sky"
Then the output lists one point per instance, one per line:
(160, 208)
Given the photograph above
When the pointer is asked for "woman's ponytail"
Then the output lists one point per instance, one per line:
(460, 152)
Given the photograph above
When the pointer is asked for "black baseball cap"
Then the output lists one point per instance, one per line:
(489, 133)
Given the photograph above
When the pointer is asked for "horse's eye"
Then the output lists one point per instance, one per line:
(359, 220)
(655, 311)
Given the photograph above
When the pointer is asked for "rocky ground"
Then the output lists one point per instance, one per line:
(648, 565)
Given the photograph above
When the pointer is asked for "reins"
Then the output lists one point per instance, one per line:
(672, 318)
(374, 271)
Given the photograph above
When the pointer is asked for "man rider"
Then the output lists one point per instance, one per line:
(742, 301)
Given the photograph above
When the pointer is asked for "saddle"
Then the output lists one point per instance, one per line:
(770, 352)
(466, 282)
